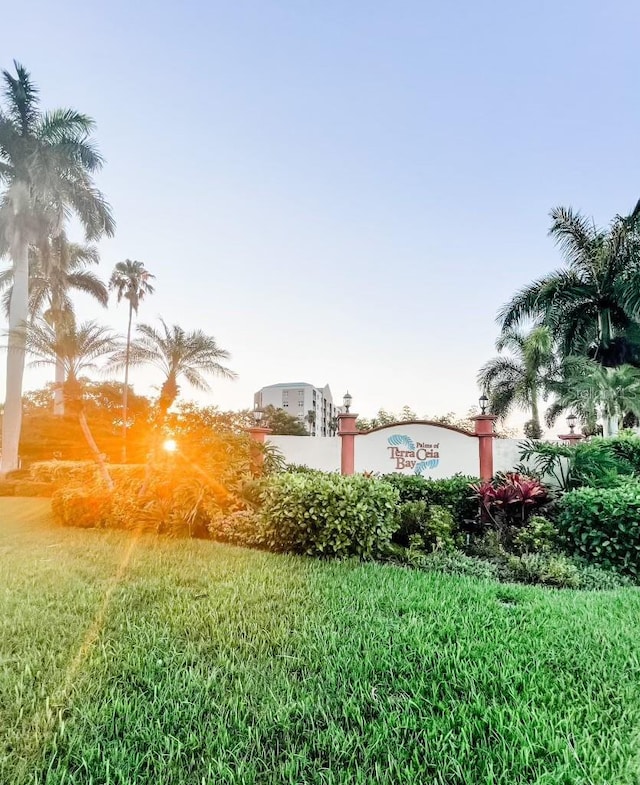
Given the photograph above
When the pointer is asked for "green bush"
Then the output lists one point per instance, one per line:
(82, 507)
(602, 525)
(538, 536)
(328, 516)
(7, 488)
(453, 493)
(548, 569)
(66, 473)
(26, 488)
(453, 563)
(427, 528)
(593, 578)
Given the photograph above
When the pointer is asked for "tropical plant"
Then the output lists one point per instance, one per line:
(518, 379)
(78, 348)
(131, 280)
(46, 164)
(590, 390)
(592, 306)
(509, 500)
(177, 354)
(56, 268)
(311, 419)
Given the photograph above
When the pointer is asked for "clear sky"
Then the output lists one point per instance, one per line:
(343, 192)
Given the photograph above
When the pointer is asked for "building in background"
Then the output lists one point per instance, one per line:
(313, 406)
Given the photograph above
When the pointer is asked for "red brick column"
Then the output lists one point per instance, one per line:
(347, 432)
(486, 435)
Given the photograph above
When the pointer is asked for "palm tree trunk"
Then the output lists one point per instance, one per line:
(58, 395)
(99, 457)
(18, 312)
(125, 392)
(165, 403)
(535, 410)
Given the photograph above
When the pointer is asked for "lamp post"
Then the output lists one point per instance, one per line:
(258, 433)
(347, 432)
(485, 432)
(572, 437)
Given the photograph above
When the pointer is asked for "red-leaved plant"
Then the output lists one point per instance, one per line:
(511, 498)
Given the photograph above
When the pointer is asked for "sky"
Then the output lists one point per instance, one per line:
(342, 192)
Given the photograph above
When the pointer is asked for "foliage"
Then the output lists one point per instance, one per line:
(593, 578)
(603, 526)
(282, 423)
(511, 498)
(46, 436)
(328, 516)
(547, 569)
(539, 535)
(428, 528)
(177, 354)
(590, 307)
(598, 462)
(452, 562)
(517, 379)
(85, 507)
(452, 493)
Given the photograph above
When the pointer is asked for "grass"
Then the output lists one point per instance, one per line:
(130, 659)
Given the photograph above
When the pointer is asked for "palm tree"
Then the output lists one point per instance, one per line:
(131, 280)
(78, 348)
(46, 163)
(192, 355)
(56, 268)
(588, 389)
(311, 419)
(519, 378)
(593, 305)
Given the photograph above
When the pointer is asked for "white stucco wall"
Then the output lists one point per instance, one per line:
(506, 454)
(414, 448)
(323, 454)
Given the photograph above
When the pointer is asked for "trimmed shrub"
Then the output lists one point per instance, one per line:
(453, 493)
(548, 569)
(328, 516)
(602, 525)
(83, 507)
(26, 488)
(66, 473)
(7, 488)
(427, 528)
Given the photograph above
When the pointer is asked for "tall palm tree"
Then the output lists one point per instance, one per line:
(131, 280)
(518, 379)
(592, 306)
(46, 164)
(589, 390)
(78, 347)
(57, 267)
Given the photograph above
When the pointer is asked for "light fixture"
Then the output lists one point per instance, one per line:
(169, 445)
(571, 422)
(257, 415)
(347, 401)
(484, 403)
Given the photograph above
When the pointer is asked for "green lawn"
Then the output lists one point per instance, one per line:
(140, 660)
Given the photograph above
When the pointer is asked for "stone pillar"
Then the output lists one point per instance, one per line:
(258, 434)
(347, 432)
(486, 435)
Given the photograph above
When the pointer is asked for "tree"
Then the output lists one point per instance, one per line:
(131, 280)
(45, 436)
(46, 163)
(589, 390)
(78, 347)
(518, 379)
(311, 419)
(281, 423)
(407, 414)
(592, 306)
(57, 267)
